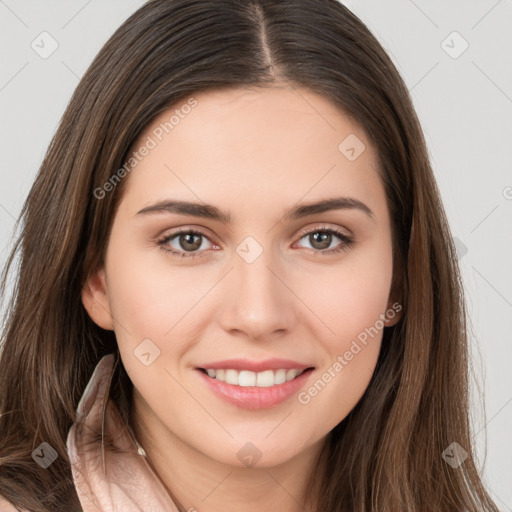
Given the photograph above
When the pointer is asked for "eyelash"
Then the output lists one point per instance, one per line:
(348, 242)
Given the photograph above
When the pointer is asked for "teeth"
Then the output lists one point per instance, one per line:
(231, 377)
(265, 379)
(245, 378)
(280, 377)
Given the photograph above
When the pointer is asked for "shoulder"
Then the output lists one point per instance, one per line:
(5, 506)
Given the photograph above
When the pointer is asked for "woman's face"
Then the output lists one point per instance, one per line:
(266, 277)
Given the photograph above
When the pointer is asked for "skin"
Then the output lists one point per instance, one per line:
(254, 153)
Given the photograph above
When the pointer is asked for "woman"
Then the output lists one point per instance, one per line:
(238, 287)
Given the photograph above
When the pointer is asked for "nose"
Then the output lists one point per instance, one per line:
(257, 300)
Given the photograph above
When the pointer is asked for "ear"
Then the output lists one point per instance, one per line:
(395, 304)
(95, 300)
(393, 313)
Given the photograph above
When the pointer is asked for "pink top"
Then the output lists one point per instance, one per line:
(109, 481)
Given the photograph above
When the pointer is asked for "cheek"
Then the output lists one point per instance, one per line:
(338, 387)
(348, 299)
(351, 354)
(351, 303)
(149, 295)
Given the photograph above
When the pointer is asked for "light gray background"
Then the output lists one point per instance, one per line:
(464, 101)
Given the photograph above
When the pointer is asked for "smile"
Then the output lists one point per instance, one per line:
(246, 378)
(254, 390)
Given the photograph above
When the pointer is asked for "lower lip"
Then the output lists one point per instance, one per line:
(253, 397)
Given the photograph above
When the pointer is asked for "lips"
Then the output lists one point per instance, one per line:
(255, 366)
(253, 384)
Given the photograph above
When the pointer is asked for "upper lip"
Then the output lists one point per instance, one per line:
(255, 366)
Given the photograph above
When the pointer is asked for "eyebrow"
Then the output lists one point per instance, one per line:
(209, 211)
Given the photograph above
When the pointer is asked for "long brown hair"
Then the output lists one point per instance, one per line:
(386, 454)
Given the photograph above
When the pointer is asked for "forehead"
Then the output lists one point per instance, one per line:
(259, 144)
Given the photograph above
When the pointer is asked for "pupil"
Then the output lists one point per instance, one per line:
(189, 237)
(322, 235)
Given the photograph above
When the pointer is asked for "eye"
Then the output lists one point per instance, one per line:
(188, 243)
(186, 240)
(322, 237)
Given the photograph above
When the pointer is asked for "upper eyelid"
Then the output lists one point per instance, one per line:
(324, 227)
